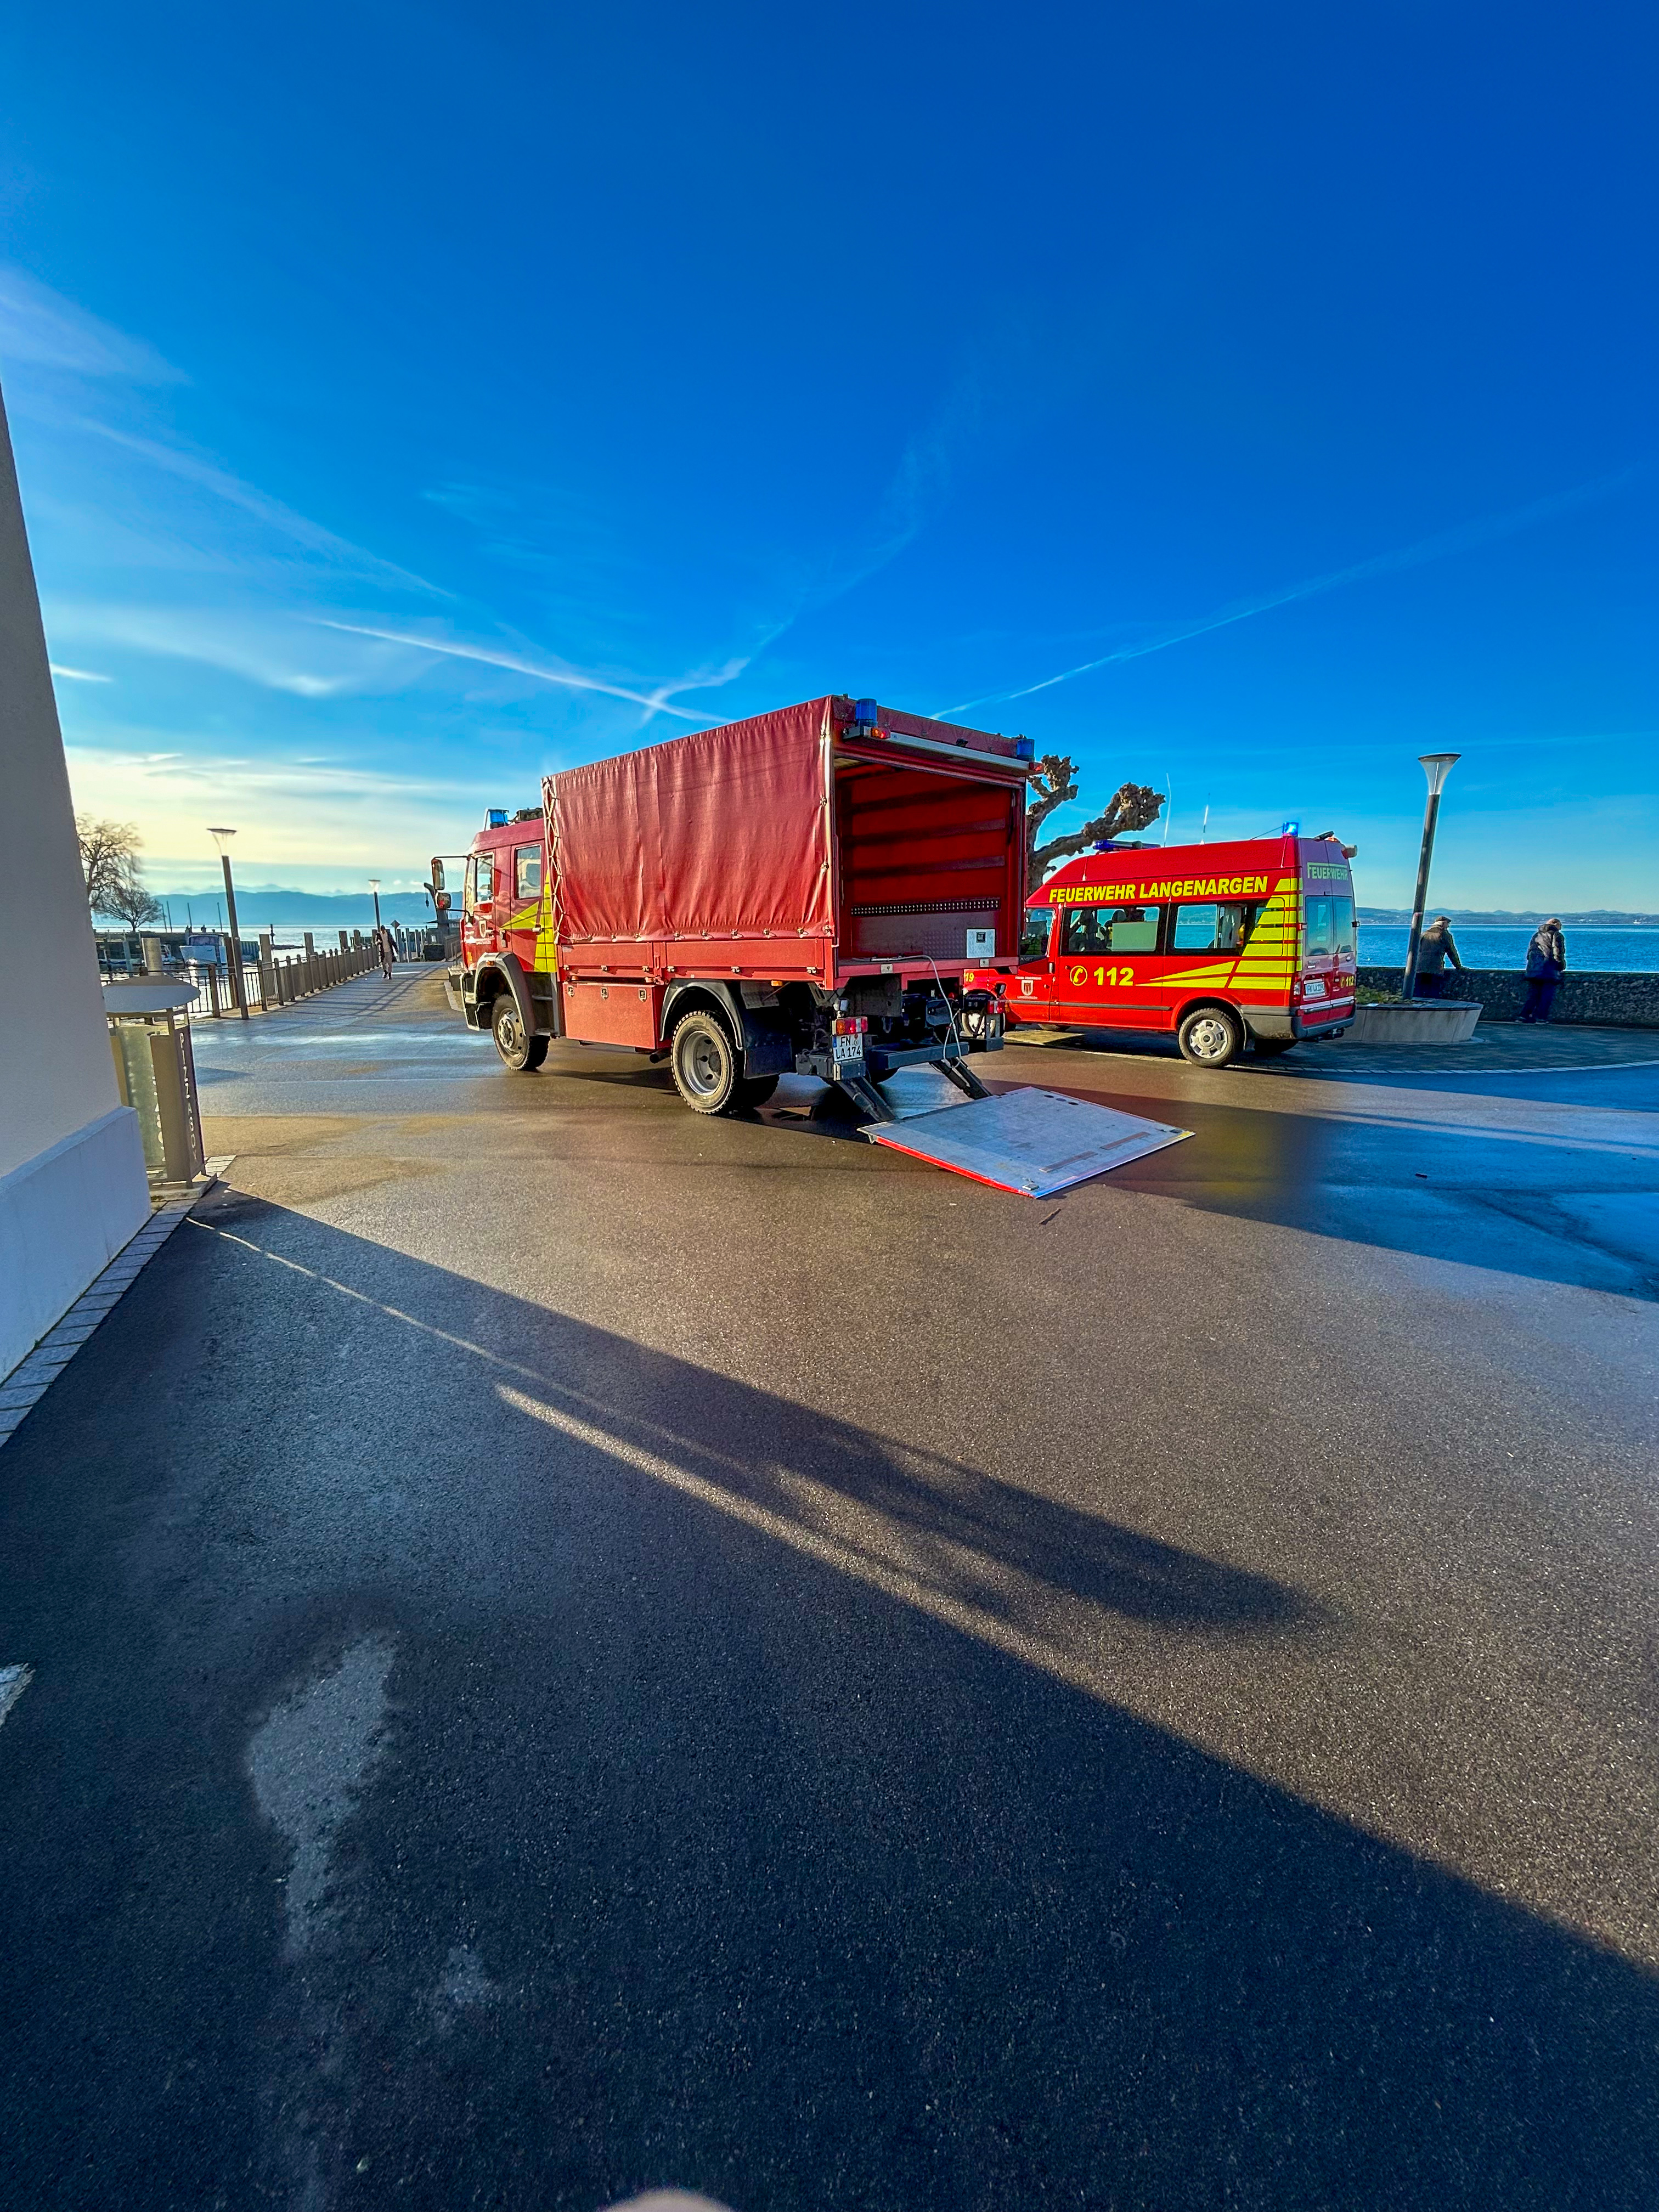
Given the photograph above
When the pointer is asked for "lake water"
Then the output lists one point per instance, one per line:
(1621, 951)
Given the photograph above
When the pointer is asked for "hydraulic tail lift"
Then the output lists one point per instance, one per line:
(1030, 1141)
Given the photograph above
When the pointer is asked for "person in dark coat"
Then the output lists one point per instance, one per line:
(1434, 951)
(1546, 964)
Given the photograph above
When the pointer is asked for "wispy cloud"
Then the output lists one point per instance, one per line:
(79, 675)
(264, 645)
(376, 816)
(1439, 546)
(41, 329)
(197, 469)
(545, 672)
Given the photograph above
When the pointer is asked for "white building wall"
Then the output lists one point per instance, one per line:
(72, 1187)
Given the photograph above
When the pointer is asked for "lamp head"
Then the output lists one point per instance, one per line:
(374, 882)
(221, 837)
(1437, 766)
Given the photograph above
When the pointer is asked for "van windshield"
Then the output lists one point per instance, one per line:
(1033, 936)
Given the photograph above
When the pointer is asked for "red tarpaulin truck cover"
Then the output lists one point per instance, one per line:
(722, 834)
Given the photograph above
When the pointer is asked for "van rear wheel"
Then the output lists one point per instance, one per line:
(706, 1065)
(1211, 1036)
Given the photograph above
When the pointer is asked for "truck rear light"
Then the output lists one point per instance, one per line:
(853, 1025)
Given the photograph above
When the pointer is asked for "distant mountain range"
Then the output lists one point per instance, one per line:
(259, 905)
(1600, 917)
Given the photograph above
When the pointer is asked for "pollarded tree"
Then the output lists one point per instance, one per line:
(1132, 806)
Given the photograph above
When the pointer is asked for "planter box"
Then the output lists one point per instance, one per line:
(1419, 1021)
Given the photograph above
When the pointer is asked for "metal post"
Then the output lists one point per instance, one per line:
(1436, 767)
(239, 991)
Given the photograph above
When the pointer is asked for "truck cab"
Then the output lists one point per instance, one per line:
(506, 973)
(1250, 943)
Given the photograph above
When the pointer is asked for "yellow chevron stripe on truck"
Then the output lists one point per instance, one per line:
(539, 918)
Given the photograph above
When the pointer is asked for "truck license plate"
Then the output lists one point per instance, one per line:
(849, 1051)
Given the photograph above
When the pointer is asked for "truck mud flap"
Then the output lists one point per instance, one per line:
(1035, 1142)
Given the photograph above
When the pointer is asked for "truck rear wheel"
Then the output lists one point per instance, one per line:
(1211, 1036)
(706, 1065)
(520, 1049)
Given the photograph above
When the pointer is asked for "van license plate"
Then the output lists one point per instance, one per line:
(1314, 987)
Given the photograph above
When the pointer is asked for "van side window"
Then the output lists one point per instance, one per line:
(526, 871)
(1092, 929)
(1220, 927)
(1342, 937)
(1034, 932)
(1316, 923)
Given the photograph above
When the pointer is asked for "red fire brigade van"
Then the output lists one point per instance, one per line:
(1213, 944)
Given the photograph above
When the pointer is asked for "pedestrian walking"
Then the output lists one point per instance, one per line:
(1546, 964)
(1437, 947)
(385, 952)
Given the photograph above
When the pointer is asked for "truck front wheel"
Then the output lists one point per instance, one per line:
(518, 1049)
(708, 1073)
(1211, 1036)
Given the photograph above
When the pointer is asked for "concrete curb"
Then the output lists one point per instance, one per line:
(22, 1389)
(1422, 1021)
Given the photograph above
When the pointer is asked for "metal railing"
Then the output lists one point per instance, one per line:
(277, 979)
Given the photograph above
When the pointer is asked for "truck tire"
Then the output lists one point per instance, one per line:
(518, 1049)
(754, 1091)
(1211, 1036)
(706, 1065)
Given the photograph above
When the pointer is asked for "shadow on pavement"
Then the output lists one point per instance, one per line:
(1523, 1203)
(730, 1821)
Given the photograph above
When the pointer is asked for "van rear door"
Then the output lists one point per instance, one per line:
(1327, 937)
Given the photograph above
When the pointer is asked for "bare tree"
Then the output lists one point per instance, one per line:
(1132, 806)
(110, 863)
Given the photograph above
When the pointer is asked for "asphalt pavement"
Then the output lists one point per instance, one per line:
(577, 1649)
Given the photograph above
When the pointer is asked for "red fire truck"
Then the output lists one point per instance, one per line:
(1213, 944)
(804, 892)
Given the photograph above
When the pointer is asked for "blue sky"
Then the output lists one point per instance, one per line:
(410, 399)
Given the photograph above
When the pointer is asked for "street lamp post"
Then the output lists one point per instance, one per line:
(222, 838)
(374, 886)
(1436, 767)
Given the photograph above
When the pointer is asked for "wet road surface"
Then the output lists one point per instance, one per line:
(576, 1648)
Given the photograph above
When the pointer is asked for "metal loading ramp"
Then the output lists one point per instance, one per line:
(1035, 1142)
